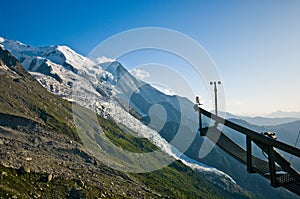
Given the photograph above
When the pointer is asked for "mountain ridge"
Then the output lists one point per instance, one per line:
(261, 121)
(41, 155)
(279, 113)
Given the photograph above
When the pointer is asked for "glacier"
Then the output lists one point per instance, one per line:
(60, 69)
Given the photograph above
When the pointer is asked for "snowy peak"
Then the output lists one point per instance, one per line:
(57, 68)
(15, 46)
(34, 58)
(62, 55)
(114, 68)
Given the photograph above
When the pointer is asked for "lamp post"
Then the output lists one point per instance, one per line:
(214, 83)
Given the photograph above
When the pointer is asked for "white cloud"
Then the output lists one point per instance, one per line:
(102, 59)
(140, 73)
(163, 89)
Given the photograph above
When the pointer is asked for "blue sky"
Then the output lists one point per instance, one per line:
(255, 44)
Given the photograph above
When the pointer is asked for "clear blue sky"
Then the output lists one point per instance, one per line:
(255, 44)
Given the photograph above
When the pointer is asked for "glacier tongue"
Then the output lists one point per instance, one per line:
(63, 69)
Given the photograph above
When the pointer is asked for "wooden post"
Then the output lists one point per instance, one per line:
(272, 168)
(200, 123)
(249, 155)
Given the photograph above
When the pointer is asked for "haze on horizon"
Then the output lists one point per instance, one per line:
(254, 44)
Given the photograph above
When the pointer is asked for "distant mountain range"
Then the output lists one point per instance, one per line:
(106, 87)
(264, 121)
(283, 114)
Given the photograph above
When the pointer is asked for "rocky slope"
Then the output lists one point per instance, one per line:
(103, 85)
(37, 136)
(42, 155)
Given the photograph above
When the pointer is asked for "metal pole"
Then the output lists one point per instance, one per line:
(216, 95)
(216, 98)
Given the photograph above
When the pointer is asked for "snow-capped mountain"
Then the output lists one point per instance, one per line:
(99, 85)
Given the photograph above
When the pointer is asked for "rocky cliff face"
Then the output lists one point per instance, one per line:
(37, 138)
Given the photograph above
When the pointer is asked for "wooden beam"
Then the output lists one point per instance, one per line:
(253, 135)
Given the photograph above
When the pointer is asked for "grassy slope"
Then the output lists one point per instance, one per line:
(176, 180)
(23, 96)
